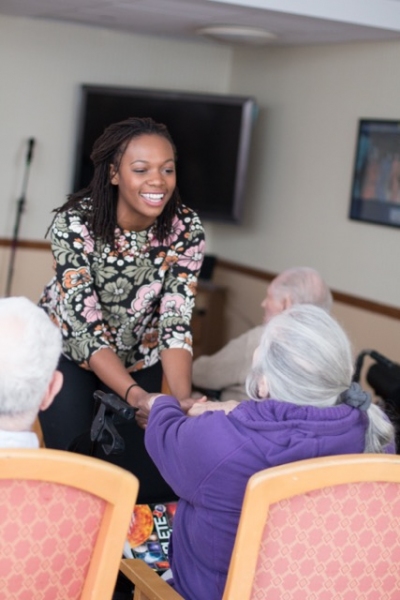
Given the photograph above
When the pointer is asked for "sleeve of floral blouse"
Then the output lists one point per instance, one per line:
(180, 286)
(80, 308)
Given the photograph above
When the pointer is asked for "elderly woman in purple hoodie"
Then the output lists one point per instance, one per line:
(305, 405)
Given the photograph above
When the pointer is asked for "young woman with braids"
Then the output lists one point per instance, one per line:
(127, 255)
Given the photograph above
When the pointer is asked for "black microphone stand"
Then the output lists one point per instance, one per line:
(20, 210)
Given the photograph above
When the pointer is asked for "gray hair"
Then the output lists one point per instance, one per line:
(306, 359)
(30, 346)
(303, 285)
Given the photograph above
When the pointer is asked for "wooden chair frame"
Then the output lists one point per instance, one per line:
(264, 489)
(148, 585)
(116, 486)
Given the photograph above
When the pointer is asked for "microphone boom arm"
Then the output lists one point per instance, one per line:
(20, 210)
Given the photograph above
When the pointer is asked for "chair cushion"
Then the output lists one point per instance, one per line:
(340, 542)
(47, 534)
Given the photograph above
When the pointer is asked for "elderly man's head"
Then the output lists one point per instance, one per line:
(30, 346)
(299, 285)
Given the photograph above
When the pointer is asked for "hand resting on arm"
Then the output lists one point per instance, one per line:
(144, 407)
(199, 408)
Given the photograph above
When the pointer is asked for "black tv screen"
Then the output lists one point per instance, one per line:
(212, 135)
(375, 196)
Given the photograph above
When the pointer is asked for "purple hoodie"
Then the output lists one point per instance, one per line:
(208, 460)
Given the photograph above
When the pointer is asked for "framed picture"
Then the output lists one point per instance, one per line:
(375, 192)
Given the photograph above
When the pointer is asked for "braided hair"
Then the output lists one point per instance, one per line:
(108, 150)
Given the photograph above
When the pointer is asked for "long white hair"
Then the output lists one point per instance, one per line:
(305, 358)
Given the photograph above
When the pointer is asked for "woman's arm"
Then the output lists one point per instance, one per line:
(108, 367)
(177, 368)
(175, 338)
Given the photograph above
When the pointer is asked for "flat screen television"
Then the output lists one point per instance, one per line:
(375, 194)
(212, 134)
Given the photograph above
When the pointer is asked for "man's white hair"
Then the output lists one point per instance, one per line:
(305, 358)
(303, 285)
(30, 347)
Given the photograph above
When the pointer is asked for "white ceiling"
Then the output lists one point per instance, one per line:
(293, 21)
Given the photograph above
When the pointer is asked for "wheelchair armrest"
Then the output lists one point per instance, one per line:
(103, 428)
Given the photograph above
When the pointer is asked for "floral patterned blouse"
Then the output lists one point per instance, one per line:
(136, 299)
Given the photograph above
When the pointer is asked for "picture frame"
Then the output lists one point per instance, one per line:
(375, 191)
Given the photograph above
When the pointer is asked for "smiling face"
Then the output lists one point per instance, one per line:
(146, 180)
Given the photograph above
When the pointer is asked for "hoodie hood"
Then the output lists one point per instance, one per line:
(296, 432)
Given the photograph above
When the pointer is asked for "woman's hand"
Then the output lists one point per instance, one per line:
(145, 403)
(143, 408)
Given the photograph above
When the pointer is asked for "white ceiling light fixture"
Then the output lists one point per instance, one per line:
(237, 34)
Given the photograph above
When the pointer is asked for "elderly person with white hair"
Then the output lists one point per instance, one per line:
(30, 346)
(305, 406)
(224, 373)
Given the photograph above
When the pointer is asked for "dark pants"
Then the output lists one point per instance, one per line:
(66, 426)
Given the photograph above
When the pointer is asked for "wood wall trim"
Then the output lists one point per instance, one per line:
(30, 244)
(349, 299)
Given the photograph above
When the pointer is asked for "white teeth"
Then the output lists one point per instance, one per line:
(154, 197)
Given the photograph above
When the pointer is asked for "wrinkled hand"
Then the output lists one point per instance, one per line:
(200, 407)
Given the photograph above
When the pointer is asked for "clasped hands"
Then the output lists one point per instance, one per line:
(192, 407)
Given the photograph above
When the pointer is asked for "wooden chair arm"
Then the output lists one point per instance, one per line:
(148, 585)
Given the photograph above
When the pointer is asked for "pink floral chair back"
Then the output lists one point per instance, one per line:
(320, 529)
(63, 523)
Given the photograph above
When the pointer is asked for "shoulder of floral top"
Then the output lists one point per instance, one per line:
(67, 218)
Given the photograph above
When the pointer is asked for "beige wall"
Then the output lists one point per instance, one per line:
(301, 158)
(299, 184)
(32, 270)
(369, 331)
